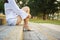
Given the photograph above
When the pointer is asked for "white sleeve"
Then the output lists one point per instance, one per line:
(14, 5)
(16, 9)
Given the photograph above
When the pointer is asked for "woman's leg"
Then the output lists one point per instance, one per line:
(19, 19)
(27, 10)
(26, 22)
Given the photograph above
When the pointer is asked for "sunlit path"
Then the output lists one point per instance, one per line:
(43, 32)
(10, 33)
(38, 31)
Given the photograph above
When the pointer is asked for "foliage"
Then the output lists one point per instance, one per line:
(1, 5)
(42, 6)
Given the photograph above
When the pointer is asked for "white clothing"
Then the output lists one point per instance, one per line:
(12, 11)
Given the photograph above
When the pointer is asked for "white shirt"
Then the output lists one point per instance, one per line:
(12, 11)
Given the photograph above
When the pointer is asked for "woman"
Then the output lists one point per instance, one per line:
(14, 14)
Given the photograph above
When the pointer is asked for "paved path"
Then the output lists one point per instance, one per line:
(10, 32)
(39, 32)
(47, 31)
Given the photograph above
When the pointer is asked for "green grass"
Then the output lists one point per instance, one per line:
(45, 21)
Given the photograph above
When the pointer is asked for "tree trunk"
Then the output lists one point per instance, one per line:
(44, 16)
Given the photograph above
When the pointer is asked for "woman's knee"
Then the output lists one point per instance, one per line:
(29, 16)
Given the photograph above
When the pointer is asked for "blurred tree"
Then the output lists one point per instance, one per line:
(43, 6)
(1, 5)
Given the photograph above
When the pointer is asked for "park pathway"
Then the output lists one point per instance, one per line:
(39, 31)
(11, 33)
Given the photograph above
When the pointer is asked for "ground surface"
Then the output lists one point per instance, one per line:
(39, 32)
